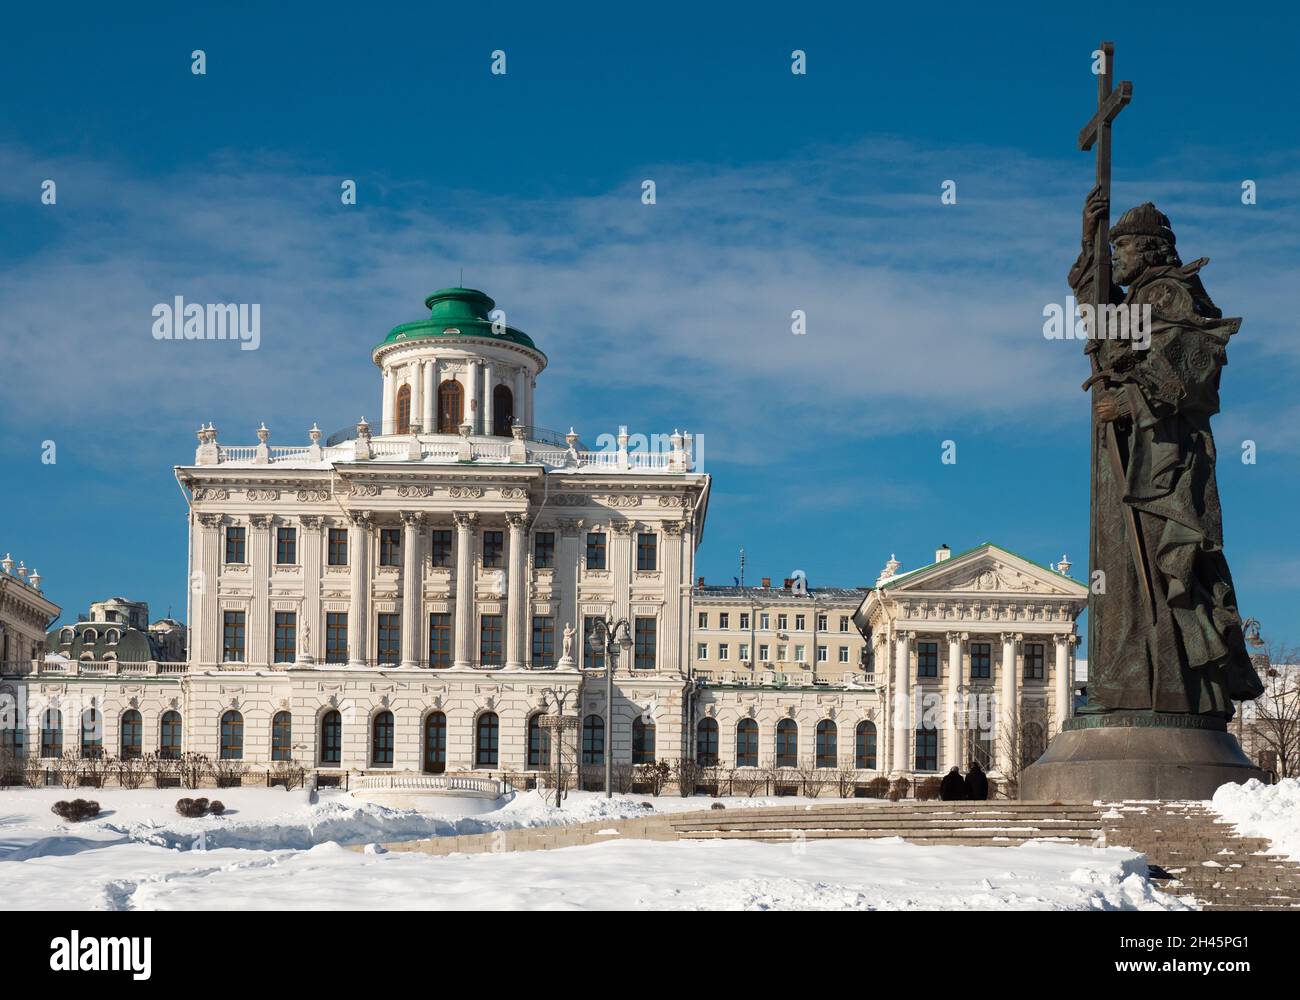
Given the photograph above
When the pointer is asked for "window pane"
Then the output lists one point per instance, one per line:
(491, 640)
(494, 545)
(544, 550)
(336, 637)
(440, 551)
(595, 550)
(286, 636)
(645, 644)
(338, 547)
(439, 640)
(390, 639)
(543, 641)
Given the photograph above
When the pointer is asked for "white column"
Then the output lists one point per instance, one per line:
(517, 625)
(901, 706)
(464, 650)
(412, 603)
(205, 639)
(359, 577)
(257, 639)
(1063, 681)
(310, 633)
(670, 641)
(520, 394)
(386, 422)
(430, 396)
(474, 372)
(532, 391)
(1007, 715)
(954, 698)
(566, 575)
(417, 391)
(487, 399)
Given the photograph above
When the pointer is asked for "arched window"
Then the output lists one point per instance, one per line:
(864, 757)
(381, 740)
(539, 743)
(827, 744)
(169, 736)
(402, 411)
(282, 736)
(747, 743)
(787, 743)
(232, 736)
(113, 636)
(435, 743)
(90, 635)
(331, 738)
(92, 733)
(503, 410)
(52, 733)
(132, 734)
(486, 740)
(643, 741)
(451, 407)
(593, 740)
(67, 635)
(706, 742)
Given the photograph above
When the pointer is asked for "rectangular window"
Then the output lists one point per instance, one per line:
(744, 620)
(780, 653)
(1033, 661)
(744, 652)
(494, 549)
(286, 546)
(782, 622)
(543, 641)
(844, 654)
(798, 654)
(724, 620)
(844, 623)
(644, 638)
(927, 659)
(763, 651)
(390, 639)
(440, 547)
(492, 640)
(799, 623)
(286, 636)
(764, 621)
(701, 650)
(595, 550)
(821, 654)
(336, 637)
(981, 660)
(927, 749)
(235, 553)
(724, 651)
(439, 640)
(232, 637)
(702, 620)
(390, 546)
(591, 659)
(544, 550)
(338, 547)
(821, 623)
(647, 551)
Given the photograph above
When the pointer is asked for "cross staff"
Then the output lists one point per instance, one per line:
(1111, 101)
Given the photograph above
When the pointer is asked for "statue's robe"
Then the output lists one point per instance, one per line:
(1192, 659)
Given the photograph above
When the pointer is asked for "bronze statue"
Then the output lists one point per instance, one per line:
(1164, 633)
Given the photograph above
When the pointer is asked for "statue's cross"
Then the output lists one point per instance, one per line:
(1110, 102)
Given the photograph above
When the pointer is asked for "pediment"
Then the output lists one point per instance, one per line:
(989, 571)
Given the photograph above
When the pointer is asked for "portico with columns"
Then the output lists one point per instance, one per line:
(975, 657)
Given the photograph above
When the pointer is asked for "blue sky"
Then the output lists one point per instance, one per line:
(775, 192)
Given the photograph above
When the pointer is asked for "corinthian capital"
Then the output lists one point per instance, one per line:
(210, 520)
(361, 518)
(412, 518)
(517, 520)
(465, 519)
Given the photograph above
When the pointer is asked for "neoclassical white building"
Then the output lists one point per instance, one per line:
(416, 597)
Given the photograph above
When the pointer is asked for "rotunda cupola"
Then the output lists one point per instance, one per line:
(464, 365)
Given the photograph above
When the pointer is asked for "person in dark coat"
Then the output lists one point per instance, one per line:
(977, 783)
(953, 788)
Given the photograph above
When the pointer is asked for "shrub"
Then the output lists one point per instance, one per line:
(878, 788)
(192, 808)
(688, 772)
(928, 788)
(228, 773)
(76, 810)
(216, 807)
(290, 774)
(655, 775)
(717, 805)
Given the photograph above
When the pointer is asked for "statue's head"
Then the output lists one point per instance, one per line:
(1142, 238)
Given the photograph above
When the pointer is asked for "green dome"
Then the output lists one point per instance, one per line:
(457, 312)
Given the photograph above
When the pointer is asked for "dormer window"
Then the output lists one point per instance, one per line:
(113, 636)
(90, 635)
(67, 636)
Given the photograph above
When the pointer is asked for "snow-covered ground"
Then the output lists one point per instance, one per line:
(1268, 811)
(278, 850)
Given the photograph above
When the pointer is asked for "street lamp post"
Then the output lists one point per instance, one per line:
(607, 637)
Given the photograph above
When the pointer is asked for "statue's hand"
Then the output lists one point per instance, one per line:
(1095, 208)
(1109, 409)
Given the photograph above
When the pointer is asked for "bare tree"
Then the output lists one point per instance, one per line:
(1018, 747)
(846, 781)
(1273, 719)
(748, 780)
